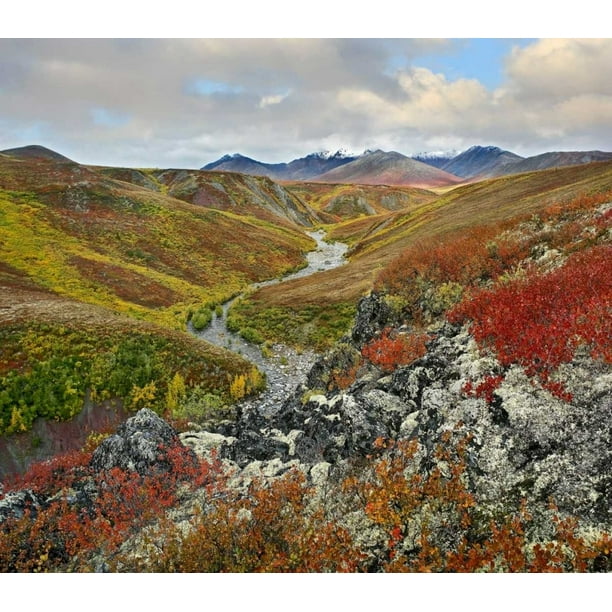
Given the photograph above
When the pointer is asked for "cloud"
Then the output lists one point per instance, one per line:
(184, 102)
(272, 100)
(561, 68)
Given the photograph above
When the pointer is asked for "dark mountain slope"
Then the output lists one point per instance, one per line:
(389, 168)
(245, 165)
(299, 169)
(557, 159)
(480, 161)
(438, 160)
(35, 152)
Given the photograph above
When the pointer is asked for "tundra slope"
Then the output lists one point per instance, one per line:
(522, 443)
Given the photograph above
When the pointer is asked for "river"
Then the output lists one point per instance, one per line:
(285, 368)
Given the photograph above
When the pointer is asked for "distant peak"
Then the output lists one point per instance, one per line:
(342, 154)
(339, 154)
(488, 149)
(436, 154)
(36, 152)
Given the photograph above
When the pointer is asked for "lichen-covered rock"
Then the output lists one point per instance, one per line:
(255, 446)
(15, 503)
(202, 443)
(138, 445)
(373, 313)
(341, 358)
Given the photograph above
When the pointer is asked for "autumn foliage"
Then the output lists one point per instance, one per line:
(274, 528)
(533, 289)
(416, 504)
(389, 350)
(72, 522)
(429, 278)
(483, 389)
(424, 521)
(539, 321)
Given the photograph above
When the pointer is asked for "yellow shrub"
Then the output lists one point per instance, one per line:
(238, 387)
(175, 393)
(142, 397)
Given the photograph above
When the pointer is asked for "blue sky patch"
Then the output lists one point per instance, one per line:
(468, 58)
(207, 87)
(105, 117)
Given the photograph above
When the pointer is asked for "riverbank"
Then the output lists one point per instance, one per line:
(284, 367)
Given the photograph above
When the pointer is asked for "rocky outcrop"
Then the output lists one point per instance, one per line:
(524, 444)
(373, 313)
(139, 445)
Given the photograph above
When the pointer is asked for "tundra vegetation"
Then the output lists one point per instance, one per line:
(522, 262)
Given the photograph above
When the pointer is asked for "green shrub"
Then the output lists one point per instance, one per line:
(201, 318)
(200, 405)
(251, 335)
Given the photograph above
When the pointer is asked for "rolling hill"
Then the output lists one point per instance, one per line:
(79, 233)
(377, 240)
(100, 272)
(233, 192)
(35, 152)
(337, 202)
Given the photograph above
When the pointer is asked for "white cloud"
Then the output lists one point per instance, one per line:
(272, 100)
(275, 99)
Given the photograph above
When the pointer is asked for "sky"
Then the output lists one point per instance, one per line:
(166, 101)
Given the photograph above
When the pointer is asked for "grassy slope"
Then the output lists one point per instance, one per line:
(80, 250)
(111, 243)
(54, 350)
(255, 196)
(476, 204)
(489, 202)
(341, 202)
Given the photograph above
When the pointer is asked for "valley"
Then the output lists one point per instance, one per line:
(284, 367)
(374, 331)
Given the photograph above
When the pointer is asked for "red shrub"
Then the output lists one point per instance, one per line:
(125, 502)
(538, 322)
(483, 389)
(48, 477)
(388, 352)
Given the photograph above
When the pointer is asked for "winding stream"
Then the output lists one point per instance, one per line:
(285, 368)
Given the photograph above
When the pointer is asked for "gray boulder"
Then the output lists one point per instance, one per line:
(138, 445)
(373, 313)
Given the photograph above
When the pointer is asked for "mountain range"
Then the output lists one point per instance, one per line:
(296, 170)
(393, 168)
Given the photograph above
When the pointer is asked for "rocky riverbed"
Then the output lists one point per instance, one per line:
(284, 367)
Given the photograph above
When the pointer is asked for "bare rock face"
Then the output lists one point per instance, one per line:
(138, 445)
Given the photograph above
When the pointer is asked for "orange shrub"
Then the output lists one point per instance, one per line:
(388, 351)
